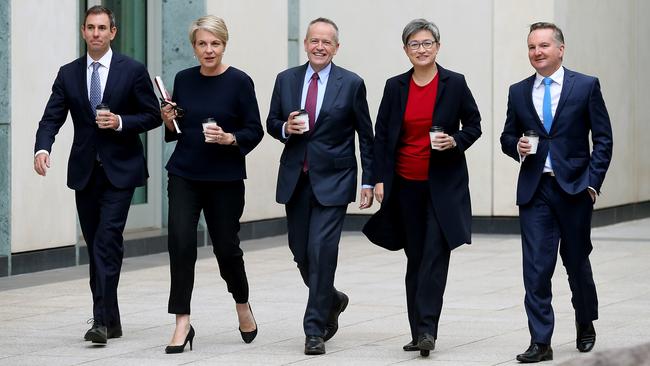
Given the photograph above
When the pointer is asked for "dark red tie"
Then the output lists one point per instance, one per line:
(310, 107)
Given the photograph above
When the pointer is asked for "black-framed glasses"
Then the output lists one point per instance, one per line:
(426, 44)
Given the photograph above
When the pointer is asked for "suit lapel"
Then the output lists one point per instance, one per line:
(82, 76)
(528, 97)
(296, 85)
(331, 92)
(405, 80)
(567, 86)
(114, 75)
(442, 82)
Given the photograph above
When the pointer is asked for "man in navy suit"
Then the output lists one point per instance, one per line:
(558, 184)
(107, 160)
(318, 169)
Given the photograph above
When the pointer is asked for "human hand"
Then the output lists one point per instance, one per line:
(366, 198)
(294, 126)
(42, 163)
(441, 141)
(379, 192)
(106, 120)
(168, 114)
(523, 146)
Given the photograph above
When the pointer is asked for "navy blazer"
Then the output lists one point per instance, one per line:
(448, 177)
(331, 144)
(580, 110)
(129, 93)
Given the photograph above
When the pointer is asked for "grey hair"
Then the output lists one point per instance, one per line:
(328, 21)
(557, 32)
(417, 25)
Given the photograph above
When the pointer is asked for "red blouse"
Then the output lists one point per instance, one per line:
(415, 146)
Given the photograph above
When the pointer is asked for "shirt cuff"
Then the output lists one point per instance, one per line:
(284, 135)
(48, 153)
(593, 190)
(119, 128)
(367, 186)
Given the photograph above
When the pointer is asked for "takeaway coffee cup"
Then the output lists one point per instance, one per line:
(208, 122)
(101, 108)
(434, 132)
(303, 116)
(533, 140)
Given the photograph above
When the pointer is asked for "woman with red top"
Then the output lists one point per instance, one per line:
(422, 181)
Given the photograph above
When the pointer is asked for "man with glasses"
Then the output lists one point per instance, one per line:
(558, 183)
(318, 169)
(107, 160)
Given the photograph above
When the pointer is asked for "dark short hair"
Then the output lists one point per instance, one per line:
(557, 32)
(328, 21)
(98, 9)
(417, 25)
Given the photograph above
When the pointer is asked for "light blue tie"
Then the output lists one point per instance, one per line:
(547, 110)
(96, 87)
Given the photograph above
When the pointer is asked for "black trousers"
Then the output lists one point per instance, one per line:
(428, 256)
(314, 235)
(103, 210)
(222, 204)
(552, 219)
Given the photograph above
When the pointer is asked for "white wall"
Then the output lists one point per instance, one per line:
(607, 40)
(485, 40)
(42, 208)
(371, 46)
(512, 19)
(258, 45)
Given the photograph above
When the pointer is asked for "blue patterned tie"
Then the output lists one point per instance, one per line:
(547, 110)
(95, 87)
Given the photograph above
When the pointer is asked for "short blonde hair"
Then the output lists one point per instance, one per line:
(212, 24)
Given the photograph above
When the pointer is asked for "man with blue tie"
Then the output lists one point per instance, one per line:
(318, 169)
(558, 184)
(107, 159)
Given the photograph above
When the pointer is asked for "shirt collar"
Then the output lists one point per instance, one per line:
(104, 61)
(557, 77)
(323, 75)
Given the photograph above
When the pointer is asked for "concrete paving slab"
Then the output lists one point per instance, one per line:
(43, 315)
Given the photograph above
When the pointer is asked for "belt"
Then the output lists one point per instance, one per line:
(549, 174)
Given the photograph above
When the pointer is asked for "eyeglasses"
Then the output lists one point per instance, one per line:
(415, 45)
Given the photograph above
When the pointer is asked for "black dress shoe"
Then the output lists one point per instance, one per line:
(426, 344)
(97, 334)
(314, 345)
(339, 305)
(111, 332)
(249, 336)
(535, 353)
(586, 336)
(181, 348)
(411, 346)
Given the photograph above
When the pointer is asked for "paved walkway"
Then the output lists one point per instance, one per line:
(42, 315)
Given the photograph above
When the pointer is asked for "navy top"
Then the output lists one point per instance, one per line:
(230, 99)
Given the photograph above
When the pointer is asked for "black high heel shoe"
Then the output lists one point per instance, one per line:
(181, 348)
(249, 336)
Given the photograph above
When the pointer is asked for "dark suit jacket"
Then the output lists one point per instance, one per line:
(129, 93)
(331, 144)
(448, 176)
(581, 109)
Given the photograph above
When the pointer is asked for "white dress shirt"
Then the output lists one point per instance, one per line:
(538, 100)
